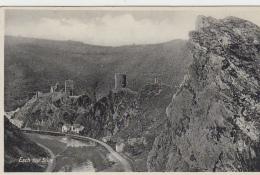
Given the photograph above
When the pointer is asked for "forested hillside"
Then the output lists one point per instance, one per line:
(35, 64)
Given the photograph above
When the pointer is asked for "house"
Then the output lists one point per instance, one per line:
(106, 139)
(77, 128)
(65, 128)
(120, 147)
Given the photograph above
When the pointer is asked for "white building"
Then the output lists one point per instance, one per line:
(65, 128)
(120, 147)
(77, 128)
(106, 139)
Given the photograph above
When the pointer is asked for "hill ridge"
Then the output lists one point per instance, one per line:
(36, 65)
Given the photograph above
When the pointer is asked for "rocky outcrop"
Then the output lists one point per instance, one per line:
(51, 111)
(213, 120)
(111, 113)
(105, 117)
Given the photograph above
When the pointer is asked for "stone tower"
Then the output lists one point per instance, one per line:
(69, 87)
(120, 81)
(156, 80)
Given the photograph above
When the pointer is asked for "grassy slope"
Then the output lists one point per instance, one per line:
(17, 145)
(35, 64)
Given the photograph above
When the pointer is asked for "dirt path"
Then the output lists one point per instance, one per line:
(51, 164)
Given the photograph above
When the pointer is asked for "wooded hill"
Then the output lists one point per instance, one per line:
(35, 64)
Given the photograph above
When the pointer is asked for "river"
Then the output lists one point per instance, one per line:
(72, 155)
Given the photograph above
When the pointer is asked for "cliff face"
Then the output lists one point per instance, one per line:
(213, 119)
(109, 115)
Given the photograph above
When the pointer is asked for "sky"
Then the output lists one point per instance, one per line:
(115, 26)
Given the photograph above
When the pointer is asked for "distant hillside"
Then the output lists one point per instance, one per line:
(35, 64)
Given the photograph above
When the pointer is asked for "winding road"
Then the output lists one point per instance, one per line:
(114, 153)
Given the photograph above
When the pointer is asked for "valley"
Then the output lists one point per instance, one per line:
(133, 114)
(179, 106)
(87, 156)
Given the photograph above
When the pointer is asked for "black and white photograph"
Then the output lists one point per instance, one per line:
(131, 89)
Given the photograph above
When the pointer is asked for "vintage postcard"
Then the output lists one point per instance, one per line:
(131, 89)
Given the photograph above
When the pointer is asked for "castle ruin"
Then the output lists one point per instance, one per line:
(120, 81)
(69, 87)
(156, 80)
